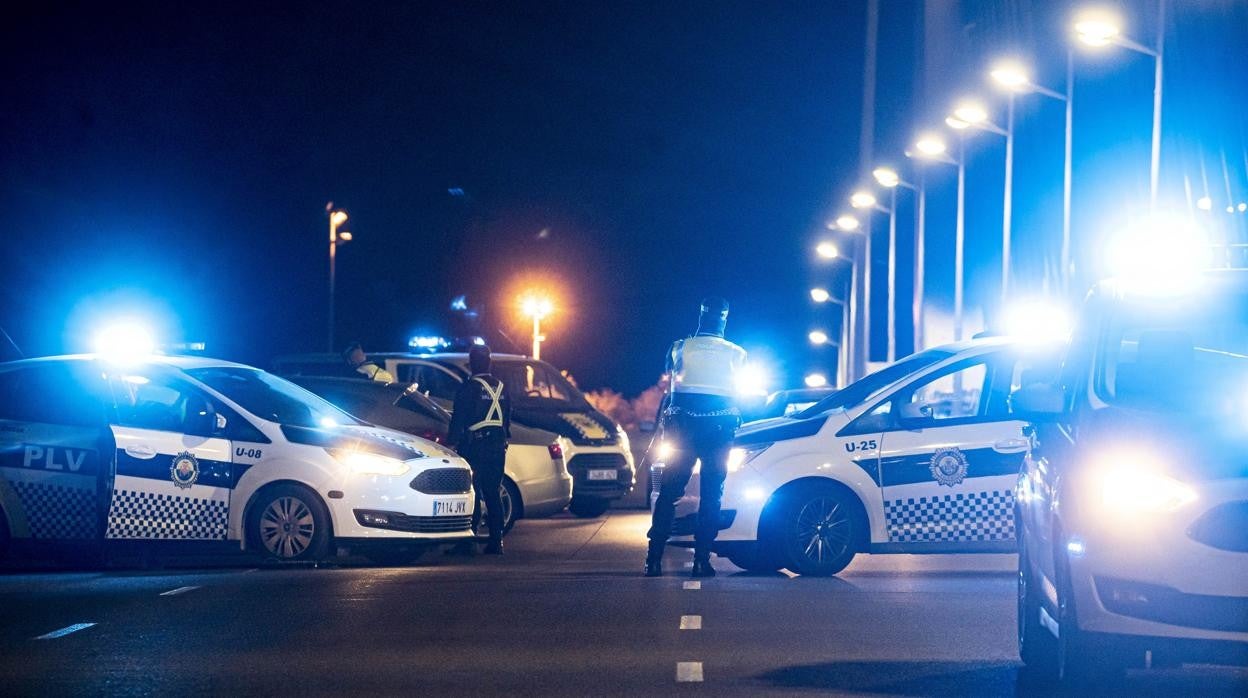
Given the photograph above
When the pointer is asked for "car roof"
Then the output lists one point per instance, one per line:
(179, 362)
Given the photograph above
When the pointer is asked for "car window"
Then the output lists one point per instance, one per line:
(52, 393)
(429, 380)
(957, 394)
(153, 399)
(271, 398)
(535, 384)
(862, 390)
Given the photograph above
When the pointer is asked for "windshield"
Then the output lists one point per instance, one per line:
(413, 400)
(272, 398)
(532, 384)
(862, 390)
(1187, 358)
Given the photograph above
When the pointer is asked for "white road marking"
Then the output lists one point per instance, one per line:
(790, 575)
(688, 671)
(179, 590)
(253, 569)
(65, 631)
(691, 622)
(692, 585)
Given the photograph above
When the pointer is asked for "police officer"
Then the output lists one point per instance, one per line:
(358, 361)
(480, 428)
(699, 422)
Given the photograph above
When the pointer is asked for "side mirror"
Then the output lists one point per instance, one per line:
(1038, 402)
(912, 413)
(199, 417)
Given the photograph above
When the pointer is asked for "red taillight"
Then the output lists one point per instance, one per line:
(556, 451)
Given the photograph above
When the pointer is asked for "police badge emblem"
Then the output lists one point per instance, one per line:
(948, 466)
(184, 471)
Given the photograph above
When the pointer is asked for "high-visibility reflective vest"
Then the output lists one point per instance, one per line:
(705, 364)
(494, 415)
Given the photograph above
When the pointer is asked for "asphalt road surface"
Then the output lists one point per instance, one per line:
(565, 612)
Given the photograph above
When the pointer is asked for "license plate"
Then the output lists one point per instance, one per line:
(603, 475)
(450, 507)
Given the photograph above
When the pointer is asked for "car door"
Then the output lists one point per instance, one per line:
(951, 456)
(432, 380)
(55, 451)
(174, 472)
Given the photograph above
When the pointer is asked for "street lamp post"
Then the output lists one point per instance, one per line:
(889, 179)
(1015, 79)
(828, 250)
(1098, 29)
(336, 218)
(538, 308)
(933, 147)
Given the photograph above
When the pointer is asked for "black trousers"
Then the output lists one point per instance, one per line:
(487, 457)
(705, 439)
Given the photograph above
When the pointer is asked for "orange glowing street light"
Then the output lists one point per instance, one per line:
(537, 306)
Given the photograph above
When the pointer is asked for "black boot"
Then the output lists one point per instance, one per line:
(654, 559)
(702, 567)
(494, 547)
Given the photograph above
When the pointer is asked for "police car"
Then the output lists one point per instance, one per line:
(595, 449)
(185, 448)
(1133, 504)
(920, 457)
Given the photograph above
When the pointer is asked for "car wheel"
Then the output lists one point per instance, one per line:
(754, 558)
(1036, 645)
(1082, 660)
(818, 531)
(398, 556)
(289, 523)
(589, 507)
(509, 494)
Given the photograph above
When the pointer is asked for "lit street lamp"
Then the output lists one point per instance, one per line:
(818, 337)
(933, 148)
(537, 307)
(820, 295)
(827, 250)
(816, 380)
(336, 218)
(1099, 29)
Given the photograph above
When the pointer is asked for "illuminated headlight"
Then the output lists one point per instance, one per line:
(1135, 491)
(365, 463)
(665, 451)
(739, 456)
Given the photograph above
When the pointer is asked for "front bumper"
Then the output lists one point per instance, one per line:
(391, 507)
(583, 460)
(1149, 578)
(741, 498)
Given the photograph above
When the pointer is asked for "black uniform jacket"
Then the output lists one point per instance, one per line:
(473, 404)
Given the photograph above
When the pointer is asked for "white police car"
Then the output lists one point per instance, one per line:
(1133, 505)
(920, 457)
(181, 448)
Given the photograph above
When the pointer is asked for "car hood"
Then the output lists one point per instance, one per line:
(1187, 446)
(582, 427)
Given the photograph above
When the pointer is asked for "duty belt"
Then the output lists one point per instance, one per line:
(674, 410)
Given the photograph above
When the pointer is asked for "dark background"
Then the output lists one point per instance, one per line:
(174, 161)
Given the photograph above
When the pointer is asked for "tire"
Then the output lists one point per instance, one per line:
(752, 558)
(1036, 645)
(589, 507)
(512, 507)
(395, 556)
(1082, 660)
(818, 530)
(289, 523)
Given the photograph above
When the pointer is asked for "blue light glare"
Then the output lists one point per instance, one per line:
(1075, 547)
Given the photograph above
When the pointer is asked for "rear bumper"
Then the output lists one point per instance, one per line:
(546, 497)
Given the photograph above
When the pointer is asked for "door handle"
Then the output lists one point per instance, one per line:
(141, 451)
(1010, 446)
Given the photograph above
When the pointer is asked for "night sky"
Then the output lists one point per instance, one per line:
(175, 161)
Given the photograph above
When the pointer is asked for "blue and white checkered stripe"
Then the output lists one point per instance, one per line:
(57, 512)
(158, 516)
(951, 518)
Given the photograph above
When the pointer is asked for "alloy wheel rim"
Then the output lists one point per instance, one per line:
(823, 529)
(287, 527)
